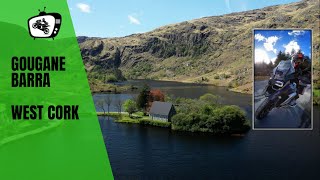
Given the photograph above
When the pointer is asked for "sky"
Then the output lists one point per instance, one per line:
(268, 43)
(118, 18)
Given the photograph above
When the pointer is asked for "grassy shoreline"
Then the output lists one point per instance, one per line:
(136, 118)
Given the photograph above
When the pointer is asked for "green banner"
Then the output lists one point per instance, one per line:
(48, 125)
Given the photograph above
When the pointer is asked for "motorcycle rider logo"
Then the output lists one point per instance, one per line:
(45, 25)
(41, 25)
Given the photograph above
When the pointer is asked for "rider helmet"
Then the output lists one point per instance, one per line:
(297, 59)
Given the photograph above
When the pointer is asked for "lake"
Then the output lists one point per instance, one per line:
(185, 90)
(140, 152)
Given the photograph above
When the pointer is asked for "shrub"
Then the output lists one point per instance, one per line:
(224, 120)
(181, 121)
(155, 123)
(226, 76)
(111, 78)
(232, 118)
(130, 106)
(210, 98)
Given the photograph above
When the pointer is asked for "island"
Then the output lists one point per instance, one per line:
(154, 108)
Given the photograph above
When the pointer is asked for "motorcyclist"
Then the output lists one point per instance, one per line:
(289, 78)
(302, 66)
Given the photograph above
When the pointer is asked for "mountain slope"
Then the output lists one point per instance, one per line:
(216, 50)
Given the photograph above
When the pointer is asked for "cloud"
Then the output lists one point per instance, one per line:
(259, 37)
(261, 56)
(133, 20)
(270, 42)
(84, 7)
(292, 45)
(296, 33)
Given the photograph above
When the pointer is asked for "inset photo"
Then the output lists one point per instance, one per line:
(282, 98)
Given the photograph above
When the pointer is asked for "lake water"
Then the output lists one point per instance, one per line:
(139, 152)
(184, 90)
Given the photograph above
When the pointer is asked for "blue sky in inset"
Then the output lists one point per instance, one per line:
(268, 43)
(117, 18)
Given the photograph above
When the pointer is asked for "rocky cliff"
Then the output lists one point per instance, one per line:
(215, 49)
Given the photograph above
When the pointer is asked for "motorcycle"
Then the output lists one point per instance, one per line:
(281, 90)
(41, 26)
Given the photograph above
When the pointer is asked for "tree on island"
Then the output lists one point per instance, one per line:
(210, 98)
(130, 106)
(202, 115)
(118, 104)
(108, 101)
(100, 104)
(142, 100)
(155, 95)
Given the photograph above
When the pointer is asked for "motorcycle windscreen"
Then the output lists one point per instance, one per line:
(283, 69)
(38, 28)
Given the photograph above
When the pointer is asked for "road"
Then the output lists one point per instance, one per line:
(291, 117)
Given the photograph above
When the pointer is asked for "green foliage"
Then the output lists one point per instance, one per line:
(198, 49)
(141, 69)
(105, 75)
(207, 109)
(185, 105)
(130, 106)
(316, 96)
(316, 84)
(204, 104)
(226, 76)
(111, 78)
(204, 116)
(222, 76)
(231, 119)
(210, 98)
(138, 118)
(155, 123)
(281, 56)
(197, 115)
(142, 100)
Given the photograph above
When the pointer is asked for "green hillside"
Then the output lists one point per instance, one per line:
(215, 50)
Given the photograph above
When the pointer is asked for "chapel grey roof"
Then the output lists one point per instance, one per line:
(160, 108)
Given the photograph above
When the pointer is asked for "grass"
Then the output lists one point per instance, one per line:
(316, 92)
(128, 121)
(136, 118)
(316, 97)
